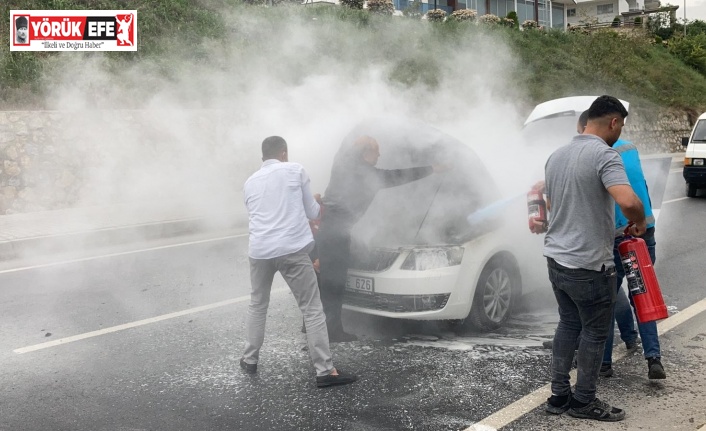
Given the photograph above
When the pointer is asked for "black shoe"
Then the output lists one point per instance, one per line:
(656, 370)
(631, 346)
(248, 368)
(599, 411)
(557, 405)
(341, 337)
(548, 344)
(606, 370)
(331, 380)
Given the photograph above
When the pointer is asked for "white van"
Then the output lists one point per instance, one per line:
(694, 168)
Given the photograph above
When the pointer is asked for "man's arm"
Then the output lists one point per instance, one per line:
(397, 177)
(631, 206)
(311, 207)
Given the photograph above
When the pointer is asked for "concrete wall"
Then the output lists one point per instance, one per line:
(52, 160)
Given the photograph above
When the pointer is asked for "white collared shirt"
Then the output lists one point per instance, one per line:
(279, 203)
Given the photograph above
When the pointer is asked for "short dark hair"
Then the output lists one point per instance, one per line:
(583, 119)
(606, 105)
(273, 146)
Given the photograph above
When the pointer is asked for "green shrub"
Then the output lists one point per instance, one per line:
(436, 15)
(353, 4)
(489, 19)
(382, 7)
(467, 15)
(638, 21)
(691, 50)
(529, 24)
(513, 16)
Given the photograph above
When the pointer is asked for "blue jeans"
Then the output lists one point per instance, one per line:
(624, 310)
(585, 300)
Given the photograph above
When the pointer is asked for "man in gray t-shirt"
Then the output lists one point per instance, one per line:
(582, 180)
(582, 221)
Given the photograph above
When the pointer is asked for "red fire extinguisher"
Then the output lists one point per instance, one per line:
(641, 279)
(536, 208)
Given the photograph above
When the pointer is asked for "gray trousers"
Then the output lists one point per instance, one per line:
(298, 271)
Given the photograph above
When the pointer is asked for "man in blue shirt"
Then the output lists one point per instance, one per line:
(623, 311)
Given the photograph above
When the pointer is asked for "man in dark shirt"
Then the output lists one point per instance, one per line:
(354, 182)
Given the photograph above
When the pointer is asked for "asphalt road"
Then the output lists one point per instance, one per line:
(67, 364)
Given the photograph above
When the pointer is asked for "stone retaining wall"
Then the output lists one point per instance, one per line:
(658, 132)
(51, 160)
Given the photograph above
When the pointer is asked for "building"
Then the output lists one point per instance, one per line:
(548, 13)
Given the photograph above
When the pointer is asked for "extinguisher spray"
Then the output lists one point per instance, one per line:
(641, 279)
(536, 208)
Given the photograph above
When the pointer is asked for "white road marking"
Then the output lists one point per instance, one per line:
(135, 324)
(535, 399)
(674, 200)
(674, 171)
(65, 262)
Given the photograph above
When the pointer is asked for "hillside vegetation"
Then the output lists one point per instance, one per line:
(193, 38)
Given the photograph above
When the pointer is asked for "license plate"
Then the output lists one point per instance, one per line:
(360, 284)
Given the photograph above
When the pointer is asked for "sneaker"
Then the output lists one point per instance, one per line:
(598, 410)
(656, 370)
(631, 346)
(606, 370)
(337, 380)
(557, 405)
(248, 368)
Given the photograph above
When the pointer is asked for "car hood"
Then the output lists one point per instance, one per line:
(432, 210)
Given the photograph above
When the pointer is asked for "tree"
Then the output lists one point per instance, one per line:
(691, 50)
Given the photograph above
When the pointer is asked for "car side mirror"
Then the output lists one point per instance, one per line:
(685, 141)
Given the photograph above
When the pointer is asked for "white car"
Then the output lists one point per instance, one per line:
(415, 255)
(416, 252)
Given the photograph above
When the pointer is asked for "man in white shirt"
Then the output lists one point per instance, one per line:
(279, 202)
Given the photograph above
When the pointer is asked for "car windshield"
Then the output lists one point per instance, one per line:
(432, 210)
(700, 132)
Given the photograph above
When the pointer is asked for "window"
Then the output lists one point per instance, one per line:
(604, 9)
(558, 15)
(570, 12)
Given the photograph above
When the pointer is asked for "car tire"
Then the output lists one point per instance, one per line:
(495, 296)
(691, 190)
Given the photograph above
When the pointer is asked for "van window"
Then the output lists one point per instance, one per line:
(700, 132)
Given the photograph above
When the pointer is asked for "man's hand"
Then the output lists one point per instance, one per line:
(539, 186)
(539, 226)
(317, 198)
(441, 167)
(638, 229)
(317, 265)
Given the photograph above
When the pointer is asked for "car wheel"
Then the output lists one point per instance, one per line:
(691, 190)
(495, 296)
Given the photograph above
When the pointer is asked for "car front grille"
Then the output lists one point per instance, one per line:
(397, 303)
(375, 260)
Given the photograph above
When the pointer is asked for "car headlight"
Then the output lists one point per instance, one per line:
(430, 258)
(698, 162)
